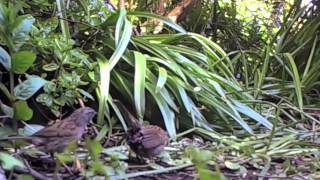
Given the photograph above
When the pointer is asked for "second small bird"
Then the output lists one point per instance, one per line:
(145, 140)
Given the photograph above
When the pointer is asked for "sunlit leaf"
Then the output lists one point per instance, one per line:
(253, 114)
(30, 129)
(22, 60)
(94, 147)
(139, 83)
(28, 87)
(22, 27)
(162, 78)
(9, 162)
(232, 165)
(166, 20)
(22, 111)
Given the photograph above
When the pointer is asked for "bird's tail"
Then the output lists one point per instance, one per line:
(129, 118)
(27, 138)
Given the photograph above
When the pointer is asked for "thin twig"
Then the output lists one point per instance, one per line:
(144, 173)
(81, 102)
(34, 173)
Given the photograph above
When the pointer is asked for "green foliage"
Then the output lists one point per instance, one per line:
(201, 158)
(21, 61)
(14, 32)
(194, 72)
(22, 111)
(29, 87)
(8, 162)
(5, 59)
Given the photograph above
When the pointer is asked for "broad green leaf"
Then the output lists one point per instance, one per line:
(22, 27)
(22, 111)
(22, 61)
(139, 83)
(5, 59)
(28, 87)
(94, 147)
(9, 162)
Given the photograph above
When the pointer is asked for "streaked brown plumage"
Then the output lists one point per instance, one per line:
(56, 137)
(145, 140)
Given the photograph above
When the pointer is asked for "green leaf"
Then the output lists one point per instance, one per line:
(165, 110)
(296, 79)
(22, 111)
(162, 78)
(251, 113)
(165, 20)
(99, 168)
(122, 45)
(232, 165)
(139, 83)
(102, 133)
(120, 21)
(116, 151)
(30, 129)
(22, 27)
(50, 67)
(5, 59)
(94, 147)
(9, 162)
(85, 93)
(45, 99)
(6, 131)
(28, 87)
(7, 110)
(25, 177)
(22, 61)
(64, 158)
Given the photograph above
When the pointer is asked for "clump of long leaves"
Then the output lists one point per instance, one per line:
(181, 72)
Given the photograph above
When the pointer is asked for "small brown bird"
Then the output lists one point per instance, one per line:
(56, 137)
(145, 140)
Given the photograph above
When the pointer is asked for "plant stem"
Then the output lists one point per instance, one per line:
(11, 76)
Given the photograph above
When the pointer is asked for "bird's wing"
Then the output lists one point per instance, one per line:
(59, 129)
(152, 139)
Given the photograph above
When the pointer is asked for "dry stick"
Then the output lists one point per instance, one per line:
(35, 173)
(144, 173)
(81, 102)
